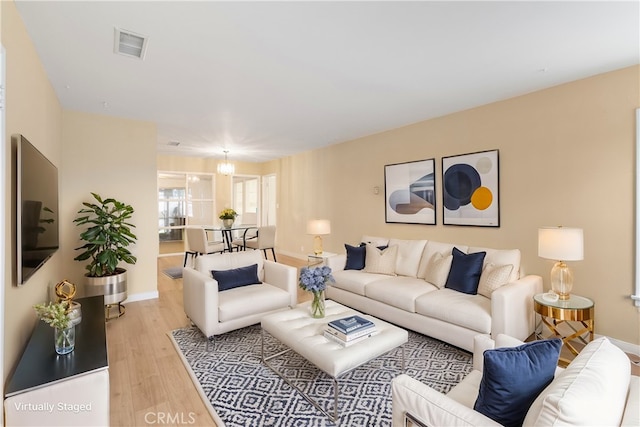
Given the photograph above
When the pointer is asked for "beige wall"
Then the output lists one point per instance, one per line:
(116, 158)
(566, 158)
(32, 110)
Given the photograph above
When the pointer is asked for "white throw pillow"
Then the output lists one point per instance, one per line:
(438, 270)
(381, 261)
(492, 277)
(409, 254)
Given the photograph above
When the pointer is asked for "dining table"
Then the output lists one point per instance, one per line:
(227, 233)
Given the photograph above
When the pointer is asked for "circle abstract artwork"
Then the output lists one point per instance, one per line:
(463, 185)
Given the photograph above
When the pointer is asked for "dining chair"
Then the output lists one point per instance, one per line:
(198, 244)
(264, 239)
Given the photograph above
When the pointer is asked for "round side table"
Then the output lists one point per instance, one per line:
(576, 312)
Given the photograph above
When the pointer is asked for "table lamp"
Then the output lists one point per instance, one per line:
(318, 227)
(561, 244)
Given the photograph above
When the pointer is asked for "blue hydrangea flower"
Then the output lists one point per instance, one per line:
(315, 279)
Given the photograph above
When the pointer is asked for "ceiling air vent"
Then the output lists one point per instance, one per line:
(129, 43)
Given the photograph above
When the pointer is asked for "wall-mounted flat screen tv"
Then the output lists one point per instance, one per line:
(37, 209)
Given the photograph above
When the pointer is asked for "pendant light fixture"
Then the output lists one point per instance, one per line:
(226, 168)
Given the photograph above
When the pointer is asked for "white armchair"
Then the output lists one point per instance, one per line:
(216, 312)
(595, 389)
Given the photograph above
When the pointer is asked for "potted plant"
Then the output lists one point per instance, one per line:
(228, 216)
(57, 316)
(107, 236)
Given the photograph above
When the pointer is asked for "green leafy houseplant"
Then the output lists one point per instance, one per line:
(107, 236)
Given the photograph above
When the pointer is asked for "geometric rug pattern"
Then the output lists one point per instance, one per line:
(244, 392)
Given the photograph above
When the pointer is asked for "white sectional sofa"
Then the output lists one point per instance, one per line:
(595, 389)
(412, 291)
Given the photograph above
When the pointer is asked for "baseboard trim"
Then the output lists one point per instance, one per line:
(627, 347)
(141, 296)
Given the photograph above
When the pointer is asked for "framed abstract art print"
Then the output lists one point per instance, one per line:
(410, 192)
(470, 189)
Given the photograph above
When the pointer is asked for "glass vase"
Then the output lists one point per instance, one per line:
(65, 339)
(317, 305)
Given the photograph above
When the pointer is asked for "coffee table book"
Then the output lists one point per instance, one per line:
(351, 335)
(343, 343)
(349, 324)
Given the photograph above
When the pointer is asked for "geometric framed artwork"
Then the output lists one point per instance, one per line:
(410, 192)
(471, 189)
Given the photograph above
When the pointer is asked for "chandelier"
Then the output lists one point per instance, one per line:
(226, 168)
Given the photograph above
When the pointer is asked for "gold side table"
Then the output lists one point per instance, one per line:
(576, 312)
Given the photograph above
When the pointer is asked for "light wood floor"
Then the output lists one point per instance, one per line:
(148, 381)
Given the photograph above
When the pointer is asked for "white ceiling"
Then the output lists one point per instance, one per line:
(269, 79)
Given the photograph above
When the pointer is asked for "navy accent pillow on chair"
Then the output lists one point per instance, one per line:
(513, 377)
(355, 257)
(465, 272)
(236, 277)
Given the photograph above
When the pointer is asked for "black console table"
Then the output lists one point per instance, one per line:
(73, 388)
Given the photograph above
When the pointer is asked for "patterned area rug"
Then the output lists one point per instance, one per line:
(244, 392)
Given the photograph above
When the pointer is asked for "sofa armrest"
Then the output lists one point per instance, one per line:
(430, 407)
(337, 262)
(200, 292)
(480, 344)
(512, 307)
(284, 277)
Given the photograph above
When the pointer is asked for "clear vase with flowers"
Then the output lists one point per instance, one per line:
(57, 316)
(315, 280)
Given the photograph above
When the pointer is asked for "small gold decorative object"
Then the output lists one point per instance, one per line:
(65, 291)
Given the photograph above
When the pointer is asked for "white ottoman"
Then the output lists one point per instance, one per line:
(303, 334)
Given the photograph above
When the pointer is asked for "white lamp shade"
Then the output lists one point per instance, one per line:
(319, 227)
(561, 243)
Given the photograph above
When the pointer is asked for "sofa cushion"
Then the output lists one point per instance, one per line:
(236, 277)
(438, 270)
(432, 248)
(592, 390)
(468, 311)
(501, 257)
(354, 280)
(355, 257)
(492, 277)
(381, 261)
(232, 304)
(513, 377)
(464, 275)
(227, 261)
(409, 255)
(400, 292)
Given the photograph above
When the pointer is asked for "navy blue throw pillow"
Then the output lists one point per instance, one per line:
(236, 277)
(513, 377)
(465, 272)
(355, 257)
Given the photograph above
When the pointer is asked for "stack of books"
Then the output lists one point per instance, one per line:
(349, 330)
